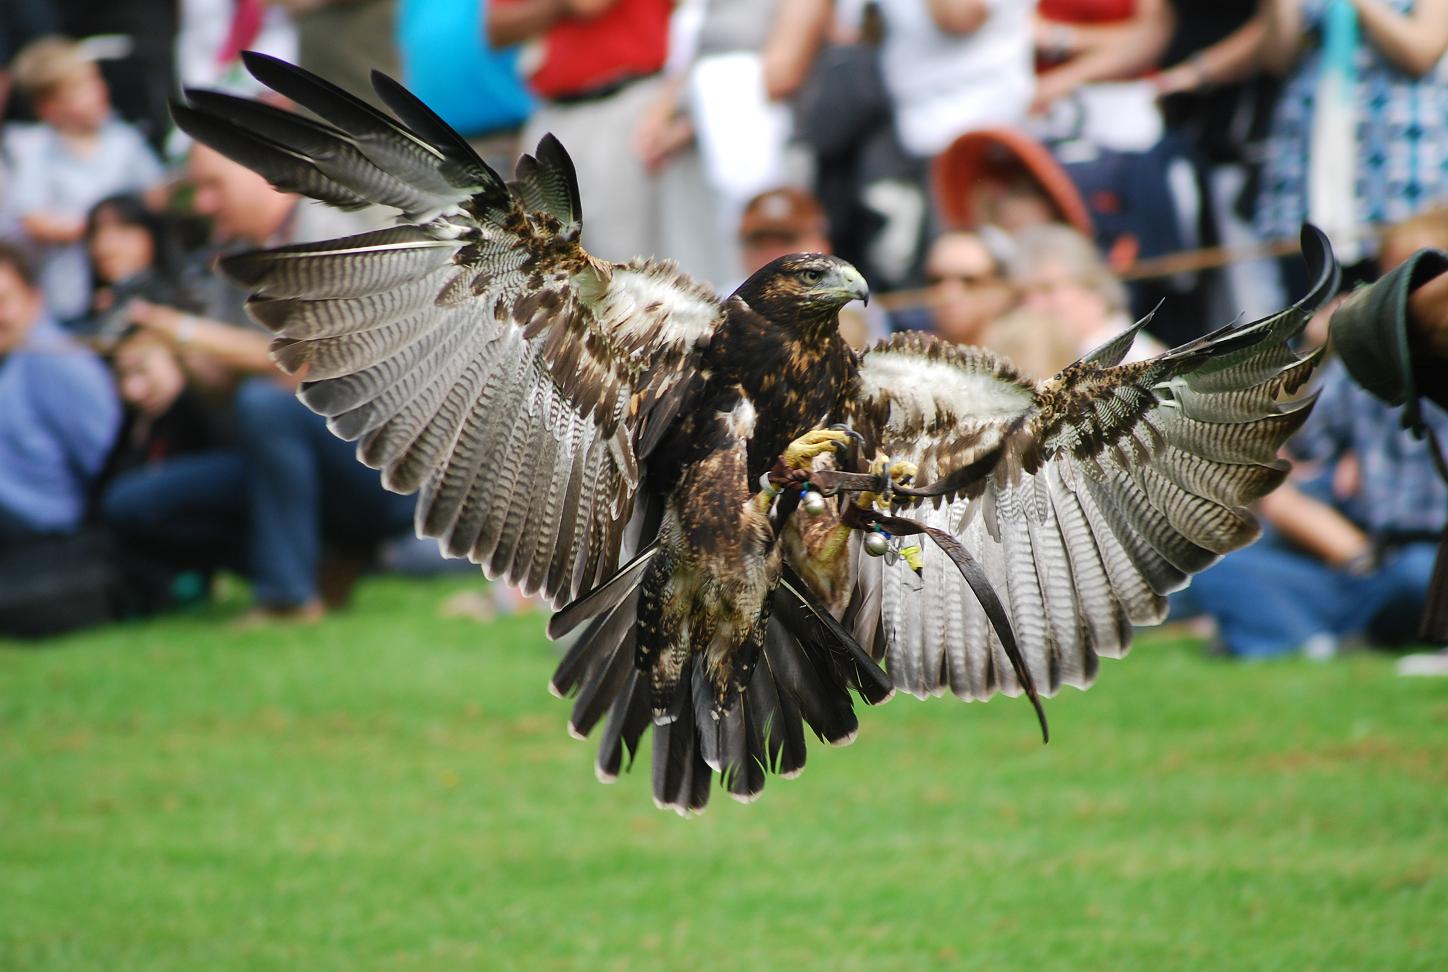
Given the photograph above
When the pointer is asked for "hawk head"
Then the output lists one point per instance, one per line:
(803, 288)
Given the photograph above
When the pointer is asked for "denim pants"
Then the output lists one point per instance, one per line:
(1270, 598)
(304, 484)
(187, 512)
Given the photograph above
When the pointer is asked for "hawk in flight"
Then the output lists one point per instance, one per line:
(743, 523)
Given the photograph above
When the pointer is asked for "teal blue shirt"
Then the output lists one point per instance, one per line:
(447, 63)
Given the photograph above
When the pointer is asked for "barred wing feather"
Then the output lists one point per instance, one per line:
(1087, 500)
(476, 353)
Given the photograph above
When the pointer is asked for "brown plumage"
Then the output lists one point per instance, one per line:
(596, 432)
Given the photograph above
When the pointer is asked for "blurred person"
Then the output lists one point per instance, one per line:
(1427, 230)
(21, 21)
(779, 222)
(58, 413)
(867, 182)
(344, 41)
(475, 88)
(139, 60)
(1035, 343)
(721, 128)
(596, 71)
(212, 34)
(1079, 42)
(172, 491)
(304, 489)
(967, 291)
(1059, 272)
(1393, 341)
(1216, 99)
(1004, 178)
(1347, 552)
(954, 66)
(1349, 547)
(949, 67)
(131, 254)
(790, 220)
(82, 155)
(1360, 133)
(1396, 246)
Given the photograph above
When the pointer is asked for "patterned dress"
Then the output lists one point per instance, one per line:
(1402, 135)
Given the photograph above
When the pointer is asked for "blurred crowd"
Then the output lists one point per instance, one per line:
(1030, 177)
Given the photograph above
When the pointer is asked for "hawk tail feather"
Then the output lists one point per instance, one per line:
(808, 669)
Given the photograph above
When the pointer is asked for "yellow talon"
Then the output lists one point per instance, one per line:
(802, 451)
(902, 473)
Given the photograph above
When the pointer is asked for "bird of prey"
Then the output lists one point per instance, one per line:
(744, 523)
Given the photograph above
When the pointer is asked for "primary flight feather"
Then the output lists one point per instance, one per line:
(622, 441)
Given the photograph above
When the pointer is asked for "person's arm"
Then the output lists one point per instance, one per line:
(1233, 58)
(1281, 34)
(663, 127)
(1413, 42)
(53, 228)
(1428, 318)
(521, 20)
(960, 17)
(1315, 527)
(1111, 52)
(236, 349)
(799, 30)
(29, 190)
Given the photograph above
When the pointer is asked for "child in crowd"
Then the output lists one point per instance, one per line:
(80, 155)
(131, 255)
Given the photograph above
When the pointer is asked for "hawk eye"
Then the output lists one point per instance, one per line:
(813, 276)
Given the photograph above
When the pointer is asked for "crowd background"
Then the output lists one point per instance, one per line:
(1031, 177)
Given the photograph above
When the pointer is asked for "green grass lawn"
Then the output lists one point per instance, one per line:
(394, 791)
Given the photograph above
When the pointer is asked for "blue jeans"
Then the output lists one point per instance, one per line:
(302, 484)
(1271, 597)
(188, 511)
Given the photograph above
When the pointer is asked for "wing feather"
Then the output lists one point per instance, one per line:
(476, 353)
(1086, 500)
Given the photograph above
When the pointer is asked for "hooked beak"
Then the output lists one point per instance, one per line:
(852, 282)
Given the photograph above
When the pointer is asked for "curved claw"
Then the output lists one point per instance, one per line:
(843, 447)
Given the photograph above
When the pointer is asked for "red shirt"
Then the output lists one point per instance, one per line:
(1086, 11)
(631, 38)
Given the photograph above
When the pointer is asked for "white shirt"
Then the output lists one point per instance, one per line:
(944, 85)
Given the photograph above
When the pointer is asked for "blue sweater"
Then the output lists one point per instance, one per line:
(58, 419)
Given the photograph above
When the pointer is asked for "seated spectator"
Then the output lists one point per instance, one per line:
(58, 413)
(171, 491)
(790, 220)
(1035, 343)
(81, 155)
(779, 222)
(1348, 555)
(1002, 177)
(303, 490)
(1058, 272)
(131, 255)
(966, 290)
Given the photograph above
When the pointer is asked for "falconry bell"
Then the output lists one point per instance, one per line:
(876, 544)
(814, 504)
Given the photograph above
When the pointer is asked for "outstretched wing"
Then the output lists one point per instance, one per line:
(1086, 500)
(475, 352)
